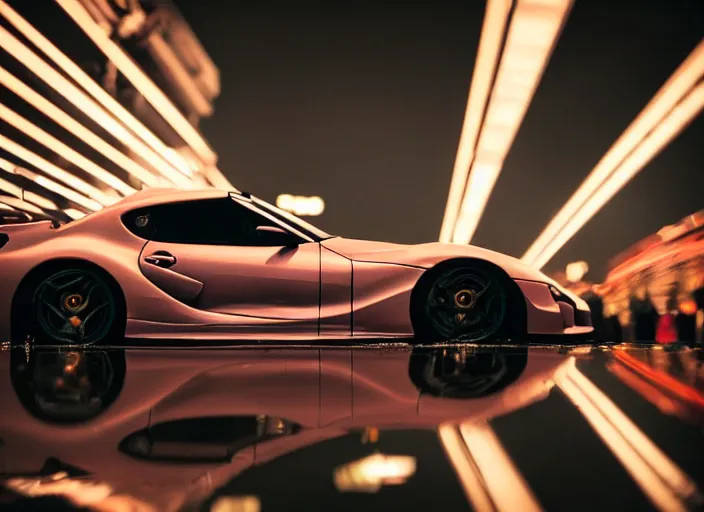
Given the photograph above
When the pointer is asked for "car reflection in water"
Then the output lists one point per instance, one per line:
(374, 427)
(189, 421)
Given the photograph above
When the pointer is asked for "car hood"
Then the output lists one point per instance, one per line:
(428, 255)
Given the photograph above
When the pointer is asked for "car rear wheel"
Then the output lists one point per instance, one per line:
(78, 305)
(467, 302)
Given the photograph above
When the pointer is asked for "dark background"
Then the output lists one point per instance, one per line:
(362, 102)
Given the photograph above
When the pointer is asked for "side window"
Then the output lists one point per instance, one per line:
(206, 222)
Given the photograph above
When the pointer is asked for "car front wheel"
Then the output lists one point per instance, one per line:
(465, 302)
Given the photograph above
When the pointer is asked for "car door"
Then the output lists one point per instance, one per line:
(229, 257)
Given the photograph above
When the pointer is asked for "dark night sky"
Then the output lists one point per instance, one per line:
(362, 103)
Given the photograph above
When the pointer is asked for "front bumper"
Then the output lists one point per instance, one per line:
(550, 311)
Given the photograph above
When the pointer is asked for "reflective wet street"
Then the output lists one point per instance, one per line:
(381, 427)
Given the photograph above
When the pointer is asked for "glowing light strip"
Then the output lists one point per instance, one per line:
(504, 482)
(659, 377)
(467, 473)
(181, 76)
(93, 88)
(74, 214)
(41, 202)
(52, 170)
(151, 92)
(89, 107)
(661, 136)
(71, 125)
(652, 394)
(19, 204)
(4, 206)
(657, 476)
(63, 150)
(681, 82)
(490, 41)
(7, 186)
(59, 189)
(218, 179)
(532, 34)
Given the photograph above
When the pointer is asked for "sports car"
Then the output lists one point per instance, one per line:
(210, 264)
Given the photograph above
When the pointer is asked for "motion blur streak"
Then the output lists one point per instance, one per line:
(669, 95)
(658, 477)
(652, 394)
(71, 125)
(490, 43)
(504, 482)
(139, 79)
(467, 472)
(59, 189)
(63, 150)
(89, 107)
(661, 136)
(85, 81)
(532, 35)
(54, 171)
(669, 383)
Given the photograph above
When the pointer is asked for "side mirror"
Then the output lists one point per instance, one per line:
(277, 233)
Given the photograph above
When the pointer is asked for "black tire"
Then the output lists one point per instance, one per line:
(468, 300)
(69, 303)
(67, 386)
(453, 372)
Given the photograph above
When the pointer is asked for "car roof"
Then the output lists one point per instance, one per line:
(152, 196)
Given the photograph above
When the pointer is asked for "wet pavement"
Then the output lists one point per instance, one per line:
(377, 427)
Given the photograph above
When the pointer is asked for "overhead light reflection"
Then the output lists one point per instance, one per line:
(19, 204)
(151, 92)
(63, 150)
(652, 394)
(301, 205)
(670, 94)
(41, 202)
(74, 214)
(59, 189)
(676, 121)
(371, 473)
(532, 34)
(504, 482)
(90, 85)
(72, 126)
(490, 42)
(659, 477)
(466, 470)
(6, 186)
(54, 171)
(89, 107)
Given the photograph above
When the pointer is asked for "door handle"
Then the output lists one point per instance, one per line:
(161, 259)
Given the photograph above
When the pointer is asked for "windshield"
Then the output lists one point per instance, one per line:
(306, 227)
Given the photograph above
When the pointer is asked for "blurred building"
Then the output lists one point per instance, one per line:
(667, 267)
(100, 98)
